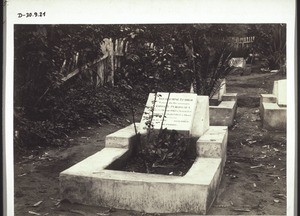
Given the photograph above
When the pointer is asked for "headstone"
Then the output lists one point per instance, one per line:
(281, 93)
(275, 88)
(176, 111)
(237, 62)
(222, 90)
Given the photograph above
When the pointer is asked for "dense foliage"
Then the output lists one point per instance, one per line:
(270, 43)
(158, 58)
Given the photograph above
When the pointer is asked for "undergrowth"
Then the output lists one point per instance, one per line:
(69, 108)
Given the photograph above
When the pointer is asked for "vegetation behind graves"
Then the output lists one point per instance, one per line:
(270, 43)
(159, 58)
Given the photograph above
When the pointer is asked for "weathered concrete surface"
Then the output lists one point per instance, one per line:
(89, 183)
(222, 90)
(201, 118)
(122, 138)
(266, 98)
(273, 116)
(223, 115)
(229, 97)
(218, 95)
(273, 107)
(279, 90)
(213, 144)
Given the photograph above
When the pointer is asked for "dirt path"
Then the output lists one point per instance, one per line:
(253, 183)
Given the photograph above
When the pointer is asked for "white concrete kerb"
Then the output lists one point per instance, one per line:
(90, 182)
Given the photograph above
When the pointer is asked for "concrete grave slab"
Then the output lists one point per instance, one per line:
(91, 182)
(273, 116)
(273, 107)
(217, 97)
(222, 107)
(149, 193)
(281, 94)
(122, 138)
(223, 115)
(88, 182)
(213, 144)
(229, 97)
(279, 90)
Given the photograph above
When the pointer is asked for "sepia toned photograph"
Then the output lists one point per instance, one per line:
(169, 118)
(181, 118)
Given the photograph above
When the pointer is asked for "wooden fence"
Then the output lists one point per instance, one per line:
(242, 42)
(101, 71)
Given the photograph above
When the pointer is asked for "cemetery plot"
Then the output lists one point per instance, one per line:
(196, 183)
(174, 111)
(273, 107)
(222, 107)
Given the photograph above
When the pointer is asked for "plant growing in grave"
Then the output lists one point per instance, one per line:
(161, 148)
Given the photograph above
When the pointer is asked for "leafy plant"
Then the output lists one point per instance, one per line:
(208, 62)
(161, 147)
(270, 42)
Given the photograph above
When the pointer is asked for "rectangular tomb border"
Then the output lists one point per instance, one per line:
(223, 107)
(90, 182)
(273, 107)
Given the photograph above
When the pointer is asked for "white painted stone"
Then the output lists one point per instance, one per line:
(229, 97)
(227, 104)
(213, 143)
(273, 116)
(223, 114)
(151, 193)
(275, 89)
(237, 62)
(222, 90)
(281, 94)
(121, 138)
(269, 98)
(201, 118)
(96, 162)
(184, 112)
(270, 106)
(89, 182)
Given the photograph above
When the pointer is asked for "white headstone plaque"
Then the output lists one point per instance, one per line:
(176, 111)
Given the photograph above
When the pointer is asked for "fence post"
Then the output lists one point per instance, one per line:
(112, 63)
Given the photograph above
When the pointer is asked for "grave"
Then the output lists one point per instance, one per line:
(273, 107)
(237, 62)
(222, 107)
(89, 182)
(240, 66)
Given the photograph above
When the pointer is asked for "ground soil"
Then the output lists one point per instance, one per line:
(137, 164)
(253, 182)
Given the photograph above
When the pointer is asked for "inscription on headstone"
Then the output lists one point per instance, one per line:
(175, 110)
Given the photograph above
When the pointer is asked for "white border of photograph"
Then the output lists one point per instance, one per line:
(146, 11)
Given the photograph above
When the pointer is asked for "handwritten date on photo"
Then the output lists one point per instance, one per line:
(35, 14)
